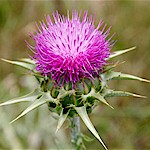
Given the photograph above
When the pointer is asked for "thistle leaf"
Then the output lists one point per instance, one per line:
(38, 102)
(102, 99)
(130, 77)
(37, 75)
(28, 60)
(112, 93)
(120, 52)
(109, 75)
(63, 93)
(87, 138)
(21, 64)
(35, 104)
(26, 98)
(62, 119)
(97, 96)
(84, 116)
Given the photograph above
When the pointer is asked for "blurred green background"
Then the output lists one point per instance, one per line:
(125, 127)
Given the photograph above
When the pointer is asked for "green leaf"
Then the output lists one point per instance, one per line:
(97, 96)
(35, 104)
(26, 98)
(21, 64)
(102, 99)
(87, 138)
(62, 119)
(109, 75)
(37, 75)
(120, 52)
(112, 93)
(84, 116)
(63, 92)
(28, 60)
(120, 76)
(130, 77)
(38, 102)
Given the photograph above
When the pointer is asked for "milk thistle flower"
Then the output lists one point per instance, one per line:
(71, 49)
(70, 62)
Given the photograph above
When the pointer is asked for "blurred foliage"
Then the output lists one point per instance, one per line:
(125, 127)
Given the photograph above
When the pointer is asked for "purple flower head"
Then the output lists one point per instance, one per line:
(71, 49)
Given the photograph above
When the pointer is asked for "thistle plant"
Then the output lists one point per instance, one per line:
(72, 64)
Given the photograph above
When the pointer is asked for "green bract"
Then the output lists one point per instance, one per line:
(68, 102)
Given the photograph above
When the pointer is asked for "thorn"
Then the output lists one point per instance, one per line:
(56, 131)
(110, 106)
(139, 96)
(145, 80)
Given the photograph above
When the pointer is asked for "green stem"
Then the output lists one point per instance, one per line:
(76, 138)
